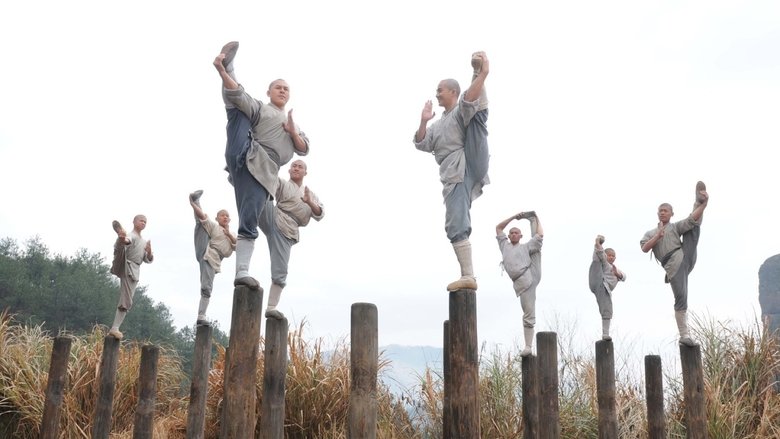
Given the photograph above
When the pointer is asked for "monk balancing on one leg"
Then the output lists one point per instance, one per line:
(603, 279)
(130, 251)
(674, 246)
(261, 138)
(213, 242)
(523, 264)
(295, 206)
(458, 141)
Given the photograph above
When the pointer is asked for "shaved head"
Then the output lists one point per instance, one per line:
(452, 85)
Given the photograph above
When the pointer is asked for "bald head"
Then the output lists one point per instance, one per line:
(451, 84)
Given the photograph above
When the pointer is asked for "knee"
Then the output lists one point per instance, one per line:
(458, 234)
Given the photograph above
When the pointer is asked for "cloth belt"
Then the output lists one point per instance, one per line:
(668, 256)
(664, 260)
(522, 272)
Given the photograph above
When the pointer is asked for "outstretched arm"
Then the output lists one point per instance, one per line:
(475, 90)
(536, 226)
(502, 225)
(227, 82)
(198, 211)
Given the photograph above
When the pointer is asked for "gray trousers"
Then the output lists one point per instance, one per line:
(596, 282)
(457, 219)
(127, 284)
(279, 246)
(690, 242)
(250, 194)
(528, 297)
(207, 272)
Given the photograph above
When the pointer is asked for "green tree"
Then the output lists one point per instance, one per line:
(73, 293)
(76, 293)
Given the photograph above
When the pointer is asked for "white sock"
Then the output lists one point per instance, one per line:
(528, 335)
(605, 326)
(274, 295)
(682, 323)
(463, 253)
(119, 317)
(244, 249)
(204, 304)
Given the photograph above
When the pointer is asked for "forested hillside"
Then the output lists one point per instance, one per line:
(75, 293)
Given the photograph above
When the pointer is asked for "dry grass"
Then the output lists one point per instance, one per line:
(24, 367)
(741, 366)
(316, 395)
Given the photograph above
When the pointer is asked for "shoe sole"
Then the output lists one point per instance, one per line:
(229, 50)
(274, 315)
(247, 281)
(700, 186)
(195, 195)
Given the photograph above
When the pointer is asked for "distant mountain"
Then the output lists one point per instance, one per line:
(408, 364)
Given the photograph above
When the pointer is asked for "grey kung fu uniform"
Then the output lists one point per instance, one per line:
(458, 141)
(257, 147)
(280, 225)
(523, 264)
(676, 251)
(127, 267)
(211, 246)
(603, 281)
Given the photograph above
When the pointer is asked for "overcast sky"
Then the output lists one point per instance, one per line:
(599, 111)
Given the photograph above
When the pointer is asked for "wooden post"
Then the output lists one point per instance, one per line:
(693, 392)
(605, 389)
(446, 413)
(147, 389)
(274, 374)
(364, 362)
(464, 364)
(199, 386)
(101, 420)
(58, 373)
(547, 356)
(654, 391)
(530, 397)
(239, 399)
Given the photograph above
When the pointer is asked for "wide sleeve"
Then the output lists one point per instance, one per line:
(466, 109)
(318, 203)
(685, 225)
(243, 101)
(502, 241)
(305, 140)
(535, 244)
(426, 144)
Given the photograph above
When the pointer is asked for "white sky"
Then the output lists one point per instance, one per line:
(599, 112)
